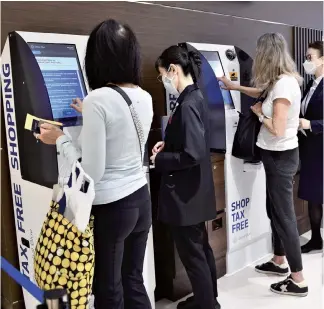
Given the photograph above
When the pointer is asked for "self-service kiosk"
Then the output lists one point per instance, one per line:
(248, 228)
(40, 75)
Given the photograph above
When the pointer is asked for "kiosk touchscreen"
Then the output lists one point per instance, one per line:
(41, 73)
(60, 67)
(248, 229)
(217, 67)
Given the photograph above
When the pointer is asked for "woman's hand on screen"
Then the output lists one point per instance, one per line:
(77, 105)
(226, 83)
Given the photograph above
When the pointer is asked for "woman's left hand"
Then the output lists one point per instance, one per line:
(257, 109)
(304, 124)
(49, 134)
(152, 158)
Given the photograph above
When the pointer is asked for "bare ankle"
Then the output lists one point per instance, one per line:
(298, 277)
(279, 259)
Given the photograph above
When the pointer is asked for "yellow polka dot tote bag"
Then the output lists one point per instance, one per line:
(64, 255)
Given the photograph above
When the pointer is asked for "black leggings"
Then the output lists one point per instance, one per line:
(120, 234)
(315, 212)
(280, 168)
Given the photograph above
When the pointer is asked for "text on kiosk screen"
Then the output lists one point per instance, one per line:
(214, 61)
(62, 74)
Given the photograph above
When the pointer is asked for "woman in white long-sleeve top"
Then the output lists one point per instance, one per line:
(112, 156)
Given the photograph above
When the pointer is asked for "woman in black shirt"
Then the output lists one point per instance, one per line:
(187, 197)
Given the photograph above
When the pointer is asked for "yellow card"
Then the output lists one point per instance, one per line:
(32, 123)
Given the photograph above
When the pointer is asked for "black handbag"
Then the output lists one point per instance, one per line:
(246, 135)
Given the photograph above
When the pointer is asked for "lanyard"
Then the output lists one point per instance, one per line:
(173, 112)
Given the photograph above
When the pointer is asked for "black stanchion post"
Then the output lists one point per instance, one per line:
(55, 299)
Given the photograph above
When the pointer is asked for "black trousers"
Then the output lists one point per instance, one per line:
(120, 234)
(280, 168)
(315, 213)
(198, 259)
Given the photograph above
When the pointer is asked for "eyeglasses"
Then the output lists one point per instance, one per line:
(160, 78)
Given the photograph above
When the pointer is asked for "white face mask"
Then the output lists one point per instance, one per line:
(310, 67)
(169, 86)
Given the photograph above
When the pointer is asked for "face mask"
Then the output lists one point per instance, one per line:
(169, 86)
(310, 67)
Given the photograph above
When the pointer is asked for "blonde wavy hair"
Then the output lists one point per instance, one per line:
(272, 60)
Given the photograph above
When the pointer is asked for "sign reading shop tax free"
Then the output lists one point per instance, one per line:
(240, 220)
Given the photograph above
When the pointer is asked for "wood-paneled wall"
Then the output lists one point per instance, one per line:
(156, 28)
(298, 13)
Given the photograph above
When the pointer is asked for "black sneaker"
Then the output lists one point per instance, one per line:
(188, 303)
(272, 268)
(217, 305)
(312, 245)
(290, 287)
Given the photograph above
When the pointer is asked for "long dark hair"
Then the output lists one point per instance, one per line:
(179, 56)
(112, 55)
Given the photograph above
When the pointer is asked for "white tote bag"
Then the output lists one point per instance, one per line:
(79, 194)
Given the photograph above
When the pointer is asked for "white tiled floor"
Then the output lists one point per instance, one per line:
(250, 290)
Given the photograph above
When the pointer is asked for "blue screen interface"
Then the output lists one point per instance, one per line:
(63, 77)
(214, 61)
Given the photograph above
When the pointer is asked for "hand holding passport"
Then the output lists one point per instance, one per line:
(45, 130)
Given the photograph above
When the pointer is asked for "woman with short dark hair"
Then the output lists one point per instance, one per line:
(311, 144)
(112, 154)
(112, 56)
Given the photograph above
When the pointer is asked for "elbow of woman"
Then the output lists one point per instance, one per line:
(97, 178)
(94, 173)
(279, 125)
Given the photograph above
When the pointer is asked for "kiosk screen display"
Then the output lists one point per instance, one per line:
(60, 67)
(214, 61)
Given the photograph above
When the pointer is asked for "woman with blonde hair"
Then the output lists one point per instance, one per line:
(274, 73)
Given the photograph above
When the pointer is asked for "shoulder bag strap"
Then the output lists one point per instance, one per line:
(261, 97)
(136, 120)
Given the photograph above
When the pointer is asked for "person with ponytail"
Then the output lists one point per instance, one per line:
(187, 196)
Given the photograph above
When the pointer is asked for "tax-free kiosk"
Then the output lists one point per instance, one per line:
(41, 73)
(248, 229)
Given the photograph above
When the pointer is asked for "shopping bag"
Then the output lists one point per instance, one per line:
(79, 195)
(64, 256)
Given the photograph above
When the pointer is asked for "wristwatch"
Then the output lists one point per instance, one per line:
(261, 118)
